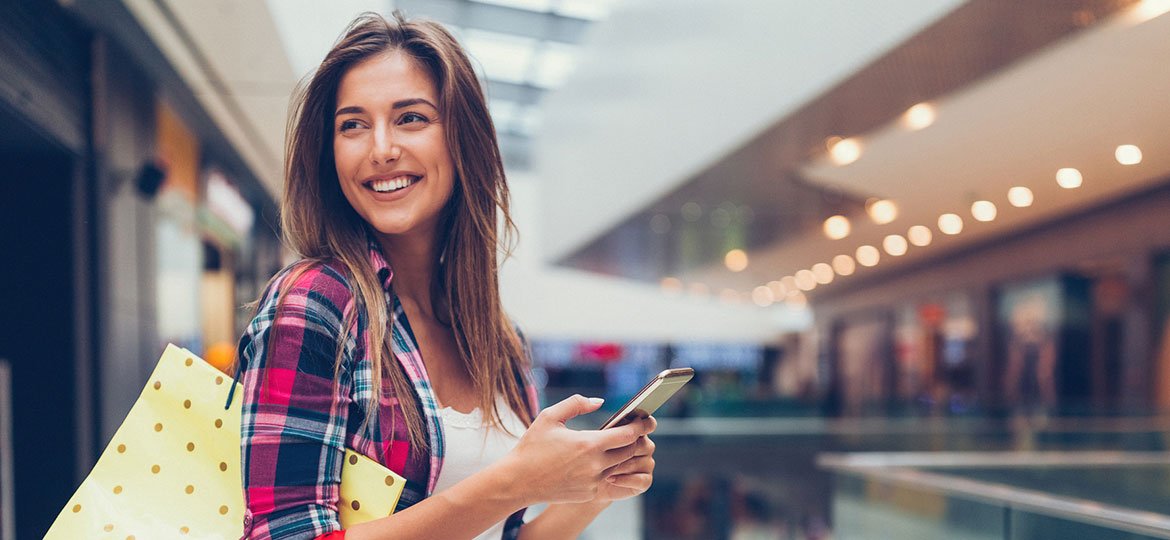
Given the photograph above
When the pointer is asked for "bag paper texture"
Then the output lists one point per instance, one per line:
(172, 469)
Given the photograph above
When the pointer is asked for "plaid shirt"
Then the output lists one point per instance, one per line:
(298, 417)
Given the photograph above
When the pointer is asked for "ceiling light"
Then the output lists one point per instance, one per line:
(1020, 197)
(1128, 154)
(883, 211)
(806, 280)
(720, 218)
(1069, 178)
(779, 290)
(823, 273)
(671, 284)
(843, 265)
(837, 227)
(983, 210)
(660, 224)
(920, 235)
(789, 283)
(762, 296)
(1148, 9)
(868, 255)
(844, 151)
(895, 244)
(736, 260)
(950, 224)
(918, 117)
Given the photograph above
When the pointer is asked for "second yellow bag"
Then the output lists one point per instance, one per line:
(172, 469)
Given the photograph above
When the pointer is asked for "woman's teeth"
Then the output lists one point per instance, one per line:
(394, 184)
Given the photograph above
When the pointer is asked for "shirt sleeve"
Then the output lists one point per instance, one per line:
(295, 408)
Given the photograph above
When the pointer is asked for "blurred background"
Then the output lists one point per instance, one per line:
(917, 251)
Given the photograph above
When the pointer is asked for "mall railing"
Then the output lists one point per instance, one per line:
(1001, 495)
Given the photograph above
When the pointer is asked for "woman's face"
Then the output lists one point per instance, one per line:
(390, 147)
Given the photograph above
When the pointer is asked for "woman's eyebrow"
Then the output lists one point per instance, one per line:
(413, 101)
(402, 103)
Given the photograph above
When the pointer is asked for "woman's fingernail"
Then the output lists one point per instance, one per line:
(596, 400)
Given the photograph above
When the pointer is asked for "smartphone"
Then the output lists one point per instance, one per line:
(650, 397)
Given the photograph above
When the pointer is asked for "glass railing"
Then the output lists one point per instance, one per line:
(1001, 496)
(722, 474)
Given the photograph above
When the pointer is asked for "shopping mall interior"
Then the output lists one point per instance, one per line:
(917, 252)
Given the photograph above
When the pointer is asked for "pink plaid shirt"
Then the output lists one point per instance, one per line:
(298, 417)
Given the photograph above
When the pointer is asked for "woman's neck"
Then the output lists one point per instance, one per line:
(412, 259)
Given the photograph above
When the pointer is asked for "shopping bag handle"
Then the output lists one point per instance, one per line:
(235, 382)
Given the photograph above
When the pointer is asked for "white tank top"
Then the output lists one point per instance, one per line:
(470, 445)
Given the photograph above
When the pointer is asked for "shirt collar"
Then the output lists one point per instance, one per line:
(378, 260)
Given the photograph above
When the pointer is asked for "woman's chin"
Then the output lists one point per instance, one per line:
(396, 227)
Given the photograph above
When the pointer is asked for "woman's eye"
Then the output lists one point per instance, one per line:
(412, 117)
(348, 125)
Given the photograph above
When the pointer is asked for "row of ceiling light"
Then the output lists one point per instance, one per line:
(792, 287)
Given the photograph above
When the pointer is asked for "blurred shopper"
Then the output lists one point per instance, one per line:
(394, 183)
(1029, 380)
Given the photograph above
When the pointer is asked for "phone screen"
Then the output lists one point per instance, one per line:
(651, 397)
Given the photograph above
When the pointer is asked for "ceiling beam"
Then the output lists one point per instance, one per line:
(505, 20)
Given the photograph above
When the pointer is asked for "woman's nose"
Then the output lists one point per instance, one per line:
(384, 149)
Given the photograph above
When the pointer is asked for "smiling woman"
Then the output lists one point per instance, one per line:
(388, 336)
(387, 149)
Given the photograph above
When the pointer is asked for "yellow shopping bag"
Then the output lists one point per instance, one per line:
(172, 469)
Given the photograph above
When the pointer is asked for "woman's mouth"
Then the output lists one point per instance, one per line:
(391, 185)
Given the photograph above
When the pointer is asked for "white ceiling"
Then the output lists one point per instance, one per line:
(666, 87)
(1068, 106)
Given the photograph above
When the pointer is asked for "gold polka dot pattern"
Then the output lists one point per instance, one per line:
(144, 484)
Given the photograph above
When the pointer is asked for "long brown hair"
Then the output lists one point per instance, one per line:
(319, 224)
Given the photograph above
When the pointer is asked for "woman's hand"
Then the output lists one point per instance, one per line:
(555, 464)
(633, 476)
